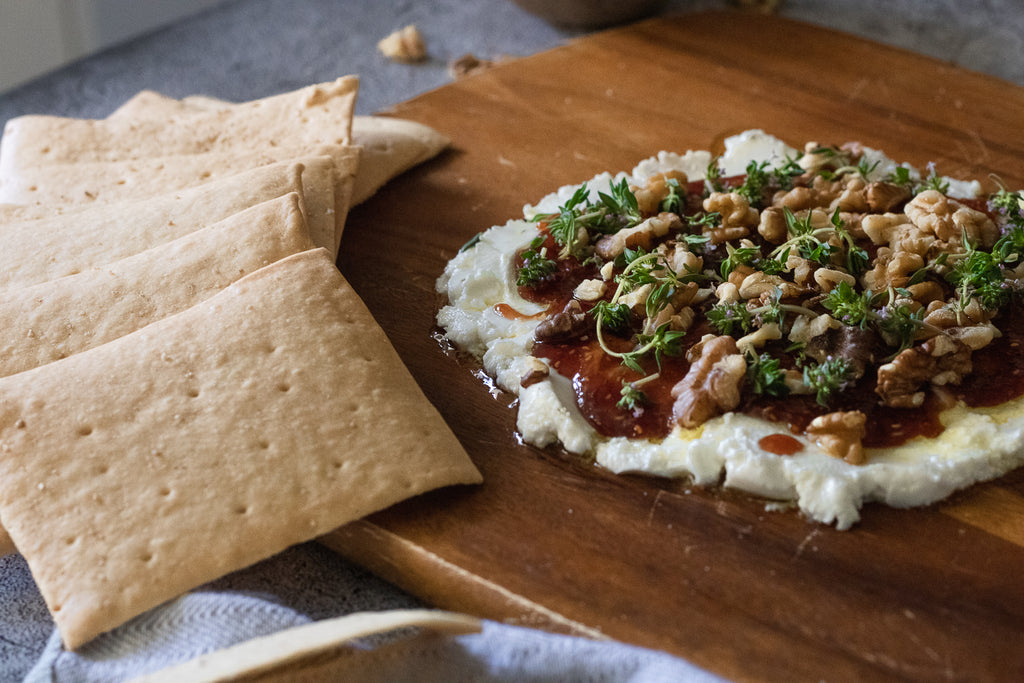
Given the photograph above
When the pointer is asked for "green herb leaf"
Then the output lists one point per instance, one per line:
(899, 325)
(737, 256)
(713, 177)
(933, 182)
(978, 275)
(730, 318)
(848, 306)
(473, 241)
(828, 378)
(613, 317)
(536, 266)
(632, 398)
(765, 375)
(675, 201)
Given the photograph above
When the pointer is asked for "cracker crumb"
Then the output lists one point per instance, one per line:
(405, 45)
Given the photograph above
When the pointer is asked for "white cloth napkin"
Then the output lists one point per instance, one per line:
(307, 582)
(204, 621)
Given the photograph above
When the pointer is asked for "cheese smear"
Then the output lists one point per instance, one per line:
(976, 445)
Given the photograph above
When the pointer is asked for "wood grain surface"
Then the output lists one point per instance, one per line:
(552, 541)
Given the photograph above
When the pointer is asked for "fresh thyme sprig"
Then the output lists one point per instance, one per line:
(633, 399)
(765, 375)
(579, 218)
(536, 266)
(897, 324)
(736, 318)
(977, 275)
(828, 378)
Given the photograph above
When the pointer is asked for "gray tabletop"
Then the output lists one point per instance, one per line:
(251, 48)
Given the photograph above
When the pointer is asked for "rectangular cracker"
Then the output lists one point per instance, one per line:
(390, 146)
(45, 249)
(270, 414)
(310, 117)
(58, 318)
(328, 191)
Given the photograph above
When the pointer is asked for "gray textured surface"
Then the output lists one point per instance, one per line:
(251, 48)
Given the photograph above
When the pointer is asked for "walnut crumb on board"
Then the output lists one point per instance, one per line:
(404, 45)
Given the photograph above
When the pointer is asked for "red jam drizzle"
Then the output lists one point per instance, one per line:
(780, 444)
(509, 313)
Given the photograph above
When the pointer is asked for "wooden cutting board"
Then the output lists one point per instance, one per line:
(551, 541)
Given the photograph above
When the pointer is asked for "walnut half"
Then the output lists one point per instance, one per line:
(712, 384)
(840, 434)
(940, 360)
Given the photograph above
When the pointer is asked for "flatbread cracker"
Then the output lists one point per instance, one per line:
(328, 190)
(45, 249)
(282, 654)
(72, 314)
(310, 117)
(55, 319)
(269, 414)
(390, 146)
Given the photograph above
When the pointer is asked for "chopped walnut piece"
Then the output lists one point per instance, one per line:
(636, 299)
(677, 322)
(821, 193)
(854, 196)
(948, 220)
(892, 269)
(803, 269)
(975, 336)
(653, 193)
(805, 329)
(772, 226)
(537, 372)
(642, 235)
(712, 384)
(815, 157)
(926, 292)
(758, 283)
(940, 360)
(727, 293)
(829, 278)
(589, 290)
(885, 197)
(737, 216)
(569, 323)
(740, 273)
(681, 259)
(404, 45)
(880, 227)
(840, 434)
(759, 337)
(685, 295)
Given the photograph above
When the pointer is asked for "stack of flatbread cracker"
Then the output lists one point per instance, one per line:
(187, 382)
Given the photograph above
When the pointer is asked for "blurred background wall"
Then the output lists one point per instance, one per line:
(37, 36)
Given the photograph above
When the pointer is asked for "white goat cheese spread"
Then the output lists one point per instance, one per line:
(480, 284)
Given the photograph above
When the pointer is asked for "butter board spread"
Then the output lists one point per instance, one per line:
(243, 425)
(55, 319)
(45, 249)
(309, 651)
(325, 186)
(822, 326)
(390, 145)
